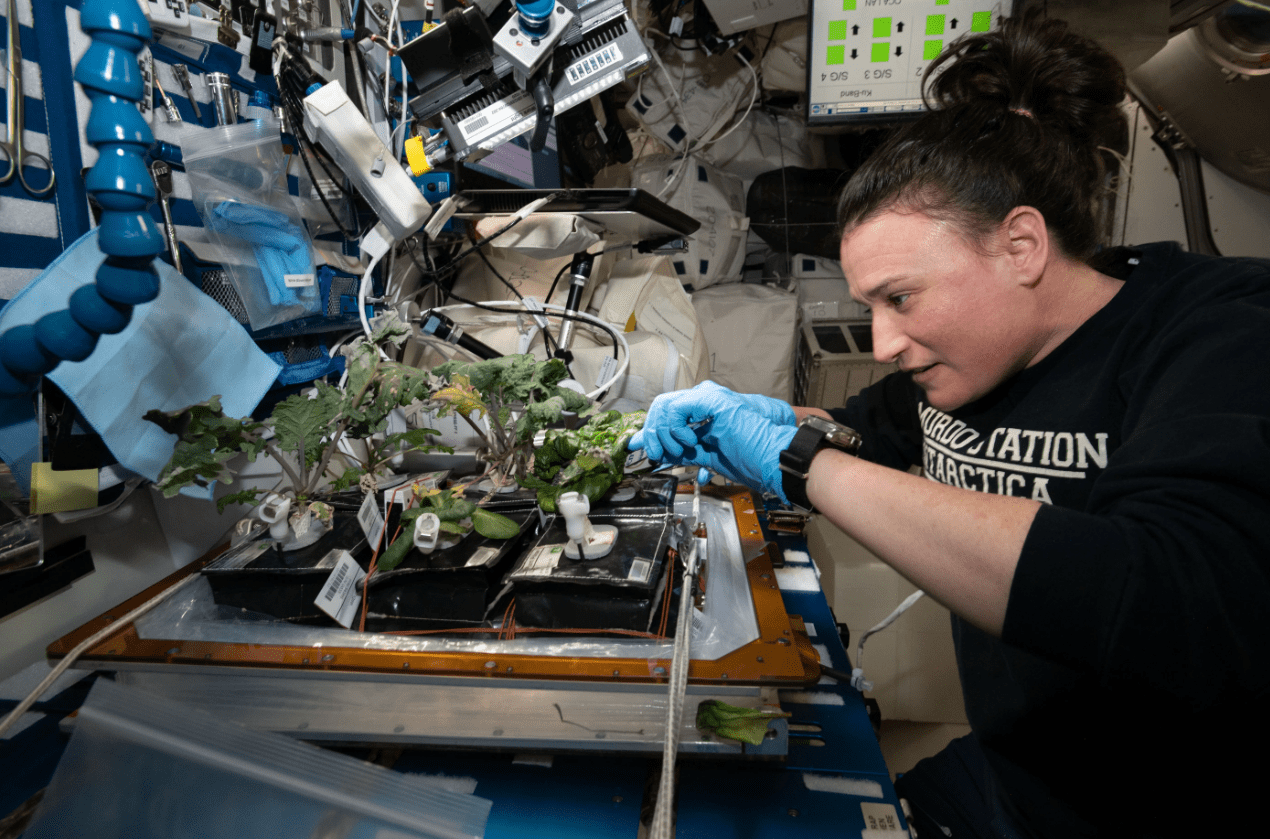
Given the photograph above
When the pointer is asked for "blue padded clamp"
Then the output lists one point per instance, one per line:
(121, 185)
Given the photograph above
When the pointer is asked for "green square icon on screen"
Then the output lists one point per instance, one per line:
(835, 55)
(848, 5)
(931, 50)
(837, 30)
(881, 27)
(981, 21)
(934, 24)
(881, 52)
(941, 2)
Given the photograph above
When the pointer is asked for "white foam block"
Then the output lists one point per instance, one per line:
(797, 578)
(859, 787)
(804, 697)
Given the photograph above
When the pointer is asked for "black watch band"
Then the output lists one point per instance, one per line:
(814, 434)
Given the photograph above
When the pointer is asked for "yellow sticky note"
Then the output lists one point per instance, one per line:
(58, 492)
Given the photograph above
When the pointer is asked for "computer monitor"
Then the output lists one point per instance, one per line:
(866, 58)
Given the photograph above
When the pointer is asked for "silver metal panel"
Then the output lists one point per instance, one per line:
(1149, 206)
(465, 712)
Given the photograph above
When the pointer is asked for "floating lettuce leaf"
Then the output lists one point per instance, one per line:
(747, 725)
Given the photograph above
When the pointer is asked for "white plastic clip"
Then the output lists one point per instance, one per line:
(273, 512)
(586, 541)
(427, 532)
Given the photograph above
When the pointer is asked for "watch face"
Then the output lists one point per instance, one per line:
(821, 424)
(836, 435)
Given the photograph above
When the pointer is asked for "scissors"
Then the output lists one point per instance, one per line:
(18, 156)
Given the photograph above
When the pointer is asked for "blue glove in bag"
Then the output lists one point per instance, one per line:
(737, 443)
(280, 248)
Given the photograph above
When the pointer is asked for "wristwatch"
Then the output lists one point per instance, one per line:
(814, 433)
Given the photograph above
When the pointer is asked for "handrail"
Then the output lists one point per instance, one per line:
(120, 184)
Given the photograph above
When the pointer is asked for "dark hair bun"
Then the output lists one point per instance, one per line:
(1035, 67)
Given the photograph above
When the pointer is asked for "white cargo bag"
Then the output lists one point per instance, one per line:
(752, 332)
(643, 295)
(707, 91)
(716, 251)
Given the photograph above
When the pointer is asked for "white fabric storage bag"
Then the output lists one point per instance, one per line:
(764, 142)
(784, 64)
(716, 251)
(752, 333)
(643, 295)
(707, 90)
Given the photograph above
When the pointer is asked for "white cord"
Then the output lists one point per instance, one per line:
(608, 328)
(85, 645)
(750, 107)
(857, 675)
(661, 827)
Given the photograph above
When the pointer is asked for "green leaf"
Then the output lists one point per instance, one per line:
(747, 725)
(245, 496)
(493, 525)
(298, 420)
(397, 551)
(455, 528)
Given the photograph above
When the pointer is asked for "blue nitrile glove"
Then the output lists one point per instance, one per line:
(280, 247)
(666, 429)
(739, 444)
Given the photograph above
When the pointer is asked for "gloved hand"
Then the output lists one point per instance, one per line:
(666, 430)
(737, 443)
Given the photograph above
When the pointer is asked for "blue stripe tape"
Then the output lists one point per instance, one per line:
(22, 251)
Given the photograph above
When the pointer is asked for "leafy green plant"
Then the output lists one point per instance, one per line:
(458, 516)
(588, 460)
(517, 395)
(307, 431)
(747, 725)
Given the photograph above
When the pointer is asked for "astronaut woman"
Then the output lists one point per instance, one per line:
(1093, 428)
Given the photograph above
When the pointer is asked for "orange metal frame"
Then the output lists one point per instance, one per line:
(782, 654)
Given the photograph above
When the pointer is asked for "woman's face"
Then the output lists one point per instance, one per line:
(958, 319)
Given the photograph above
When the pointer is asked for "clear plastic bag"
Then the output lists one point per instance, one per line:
(235, 180)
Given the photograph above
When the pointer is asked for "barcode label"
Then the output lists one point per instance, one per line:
(335, 583)
(339, 597)
(594, 63)
(371, 520)
(607, 366)
(542, 560)
(639, 570)
(496, 117)
(698, 622)
(482, 557)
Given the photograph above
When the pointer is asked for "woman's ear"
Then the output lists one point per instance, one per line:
(1026, 242)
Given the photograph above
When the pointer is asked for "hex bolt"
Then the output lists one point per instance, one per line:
(174, 651)
(328, 657)
(490, 665)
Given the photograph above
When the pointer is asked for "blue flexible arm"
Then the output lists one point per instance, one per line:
(121, 185)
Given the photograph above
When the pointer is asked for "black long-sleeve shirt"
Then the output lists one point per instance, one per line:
(1134, 662)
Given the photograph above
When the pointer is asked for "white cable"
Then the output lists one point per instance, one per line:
(750, 107)
(857, 675)
(607, 327)
(661, 827)
(87, 644)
